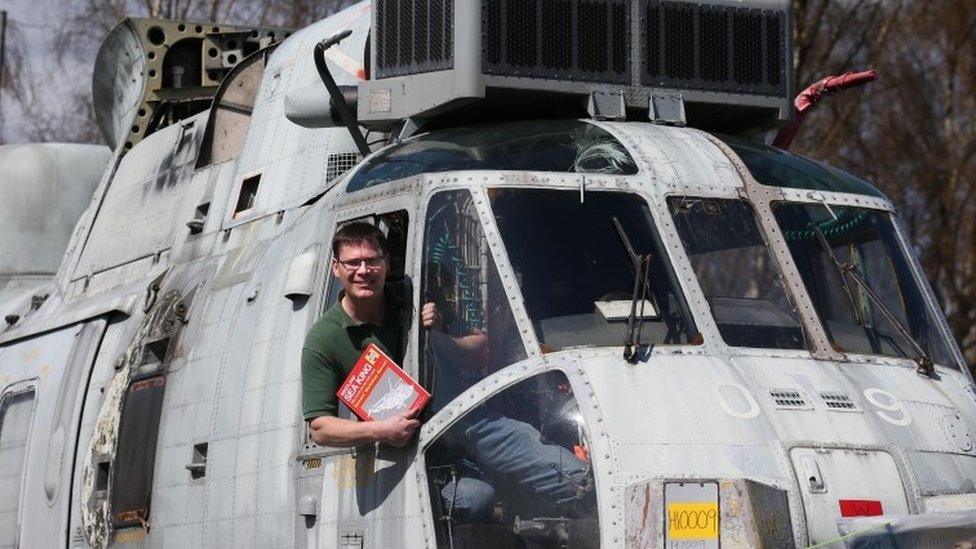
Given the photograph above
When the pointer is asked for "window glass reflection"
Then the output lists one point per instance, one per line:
(736, 273)
(863, 240)
(572, 146)
(515, 472)
(477, 334)
(575, 272)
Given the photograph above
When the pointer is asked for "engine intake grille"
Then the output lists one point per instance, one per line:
(699, 46)
(557, 39)
(415, 36)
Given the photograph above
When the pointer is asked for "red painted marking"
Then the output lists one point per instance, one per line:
(860, 508)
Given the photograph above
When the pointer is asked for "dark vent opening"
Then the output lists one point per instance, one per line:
(789, 399)
(406, 29)
(249, 191)
(652, 27)
(412, 36)
(521, 21)
(102, 473)
(422, 33)
(340, 163)
(714, 27)
(838, 401)
(387, 40)
(557, 47)
(493, 31)
(155, 351)
(575, 40)
(747, 56)
(722, 48)
(620, 32)
(593, 36)
(679, 43)
(436, 25)
(774, 49)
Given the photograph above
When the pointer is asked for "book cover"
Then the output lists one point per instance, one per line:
(377, 388)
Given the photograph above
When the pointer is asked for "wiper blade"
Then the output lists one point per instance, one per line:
(925, 364)
(839, 269)
(641, 265)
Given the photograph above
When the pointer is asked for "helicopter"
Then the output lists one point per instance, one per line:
(729, 344)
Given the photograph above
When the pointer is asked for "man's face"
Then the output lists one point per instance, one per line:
(361, 268)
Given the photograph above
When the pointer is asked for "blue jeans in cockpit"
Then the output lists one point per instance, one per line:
(511, 453)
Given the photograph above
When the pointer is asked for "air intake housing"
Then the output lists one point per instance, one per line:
(726, 63)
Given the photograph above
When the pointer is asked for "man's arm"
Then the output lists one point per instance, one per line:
(339, 432)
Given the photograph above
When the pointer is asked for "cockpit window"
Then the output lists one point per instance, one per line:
(863, 241)
(576, 275)
(736, 273)
(777, 168)
(515, 472)
(571, 146)
(477, 334)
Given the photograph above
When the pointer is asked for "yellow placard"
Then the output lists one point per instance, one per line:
(697, 520)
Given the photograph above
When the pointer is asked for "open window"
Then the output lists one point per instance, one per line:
(16, 410)
(395, 225)
(230, 115)
(515, 472)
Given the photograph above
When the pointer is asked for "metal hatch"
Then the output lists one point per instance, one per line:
(843, 482)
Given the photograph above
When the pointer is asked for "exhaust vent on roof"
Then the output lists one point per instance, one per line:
(416, 36)
(584, 40)
(699, 46)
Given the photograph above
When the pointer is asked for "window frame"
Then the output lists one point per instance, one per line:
(14, 390)
(792, 298)
(932, 311)
(476, 396)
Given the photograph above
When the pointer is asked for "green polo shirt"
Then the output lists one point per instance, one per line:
(333, 346)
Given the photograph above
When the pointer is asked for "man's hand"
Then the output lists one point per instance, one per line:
(397, 430)
(430, 317)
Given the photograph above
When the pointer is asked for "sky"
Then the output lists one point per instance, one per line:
(37, 22)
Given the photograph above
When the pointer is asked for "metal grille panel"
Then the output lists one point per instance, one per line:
(416, 36)
(557, 39)
(788, 398)
(838, 401)
(339, 163)
(713, 47)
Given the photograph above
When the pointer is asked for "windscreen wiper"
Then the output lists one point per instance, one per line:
(641, 264)
(925, 364)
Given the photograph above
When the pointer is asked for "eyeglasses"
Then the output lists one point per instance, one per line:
(371, 263)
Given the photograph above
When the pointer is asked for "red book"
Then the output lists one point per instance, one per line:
(377, 388)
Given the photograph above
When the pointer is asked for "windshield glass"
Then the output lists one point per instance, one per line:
(575, 274)
(570, 146)
(736, 272)
(778, 168)
(865, 240)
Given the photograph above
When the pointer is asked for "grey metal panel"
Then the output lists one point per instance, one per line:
(293, 160)
(63, 380)
(43, 191)
(118, 82)
(942, 474)
(138, 216)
